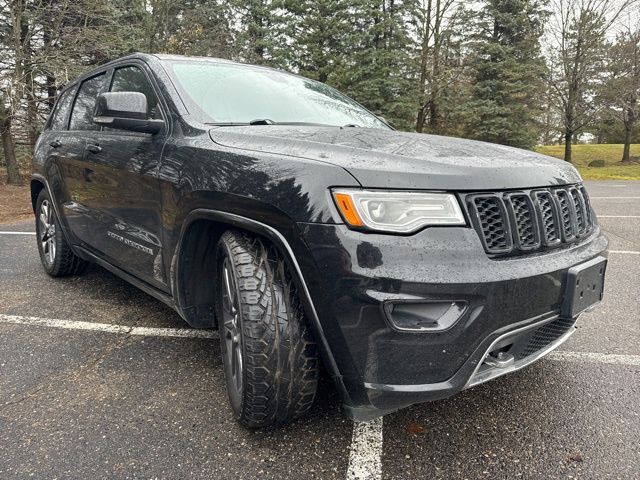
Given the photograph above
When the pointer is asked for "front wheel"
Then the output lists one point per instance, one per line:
(270, 360)
(56, 255)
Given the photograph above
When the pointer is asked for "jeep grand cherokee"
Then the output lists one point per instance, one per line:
(307, 230)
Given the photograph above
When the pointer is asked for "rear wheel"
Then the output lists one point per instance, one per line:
(270, 360)
(56, 255)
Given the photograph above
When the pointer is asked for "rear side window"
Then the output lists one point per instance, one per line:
(61, 112)
(133, 79)
(82, 114)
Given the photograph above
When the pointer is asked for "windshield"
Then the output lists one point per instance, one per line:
(224, 93)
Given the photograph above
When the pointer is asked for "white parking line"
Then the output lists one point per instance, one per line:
(365, 456)
(17, 233)
(108, 328)
(195, 333)
(591, 357)
(625, 252)
(610, 198)
(618, 216)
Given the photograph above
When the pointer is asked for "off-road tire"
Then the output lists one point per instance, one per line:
(280, 359)
(64, 262)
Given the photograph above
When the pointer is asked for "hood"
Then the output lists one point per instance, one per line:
(391, 159)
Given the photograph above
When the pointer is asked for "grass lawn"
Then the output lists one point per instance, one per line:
(610, 153)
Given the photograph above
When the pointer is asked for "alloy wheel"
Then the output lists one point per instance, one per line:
(47, 232)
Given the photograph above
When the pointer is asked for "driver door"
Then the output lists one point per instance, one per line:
(120, 175)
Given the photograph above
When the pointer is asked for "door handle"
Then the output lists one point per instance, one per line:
(55, 144)
(94, 148)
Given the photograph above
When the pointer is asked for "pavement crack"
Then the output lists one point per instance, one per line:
(634, 242)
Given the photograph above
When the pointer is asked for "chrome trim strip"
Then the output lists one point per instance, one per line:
(477, 378)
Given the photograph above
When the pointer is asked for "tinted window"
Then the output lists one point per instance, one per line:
(133, 79)
(59, 116)
(82, 114)
(229, 93)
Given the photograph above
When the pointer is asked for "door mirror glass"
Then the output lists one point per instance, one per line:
(125, 111)
(122, 105)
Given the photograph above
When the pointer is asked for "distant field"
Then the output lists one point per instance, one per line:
(610, 153)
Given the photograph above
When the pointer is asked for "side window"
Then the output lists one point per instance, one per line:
(82, 113)
(59, 115)
(133, 79)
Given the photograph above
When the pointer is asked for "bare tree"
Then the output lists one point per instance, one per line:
(435, 20)
(621, 93)
(578, 32)
(14, 14)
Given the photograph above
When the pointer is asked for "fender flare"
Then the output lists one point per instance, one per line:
(278, 239)
(63, 226)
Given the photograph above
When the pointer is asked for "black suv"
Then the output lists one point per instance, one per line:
(308, 230)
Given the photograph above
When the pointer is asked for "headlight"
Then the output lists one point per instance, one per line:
(401, 212)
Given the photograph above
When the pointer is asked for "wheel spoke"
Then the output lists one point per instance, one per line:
(43, 221)
(228, 284)
(234, 360)
(49, 214)
(238, 370)
(231, 320)
(51, 250)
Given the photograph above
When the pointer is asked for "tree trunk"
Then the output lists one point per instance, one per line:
(52, 91)
(434, 114)
(568, 137)
(420, 120)
(424, 65)
(11, 161)
(629, 122)
(50, 79)
(626, 151)
(29, 83)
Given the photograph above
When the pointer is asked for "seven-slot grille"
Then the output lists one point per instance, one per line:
(530, 220)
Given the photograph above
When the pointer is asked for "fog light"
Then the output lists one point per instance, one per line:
(424, 316)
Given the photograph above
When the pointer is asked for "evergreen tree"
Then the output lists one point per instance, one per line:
(506, 70)
(379, 69)
(201, 28)
(257, 28)
(317, 30)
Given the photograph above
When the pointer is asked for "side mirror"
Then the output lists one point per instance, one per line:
(125, 111)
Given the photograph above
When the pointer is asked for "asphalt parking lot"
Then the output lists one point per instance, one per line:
(98, 380)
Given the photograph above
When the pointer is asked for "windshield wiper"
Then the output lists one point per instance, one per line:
(268, 121)
(262, 121)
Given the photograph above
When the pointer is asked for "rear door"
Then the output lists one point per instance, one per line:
(121, 189)
(55, 146)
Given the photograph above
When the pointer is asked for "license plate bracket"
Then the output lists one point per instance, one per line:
(584, 287)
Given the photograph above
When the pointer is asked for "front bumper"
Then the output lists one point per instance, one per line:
(352, 275)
